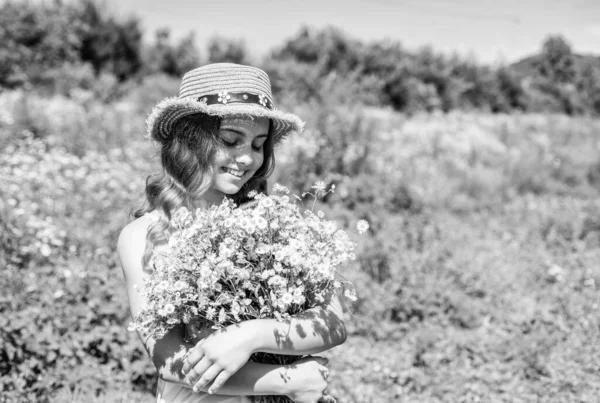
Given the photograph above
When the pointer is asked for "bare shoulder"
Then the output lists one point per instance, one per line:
(133, 233)
(132, 243)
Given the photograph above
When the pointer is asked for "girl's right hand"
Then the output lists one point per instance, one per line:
(308, 381)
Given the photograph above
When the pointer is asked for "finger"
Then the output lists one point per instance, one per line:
(327, 398)
(321, 360)
(207, 377)
(219, 381)
(192, 358)
(199, 369)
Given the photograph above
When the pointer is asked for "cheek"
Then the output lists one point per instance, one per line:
(220, 158)
(260, 158)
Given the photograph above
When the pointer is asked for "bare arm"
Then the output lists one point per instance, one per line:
(252, 379)
(224, 352)
(168, 353)
(313, 331)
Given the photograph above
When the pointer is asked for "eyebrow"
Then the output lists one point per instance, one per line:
(241, 133)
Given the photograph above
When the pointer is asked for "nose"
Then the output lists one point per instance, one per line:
(244, 158)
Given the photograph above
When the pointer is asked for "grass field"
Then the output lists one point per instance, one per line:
(477, 283)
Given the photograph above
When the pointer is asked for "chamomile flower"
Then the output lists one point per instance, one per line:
(277, 188)
(295, 259)
(319, 186)
(261, 223)
(280, 255)
(362, 226)
(229, 264)
(266, 203)
(350, 294)
(222, 316)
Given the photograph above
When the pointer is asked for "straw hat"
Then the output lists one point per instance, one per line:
(222, 89)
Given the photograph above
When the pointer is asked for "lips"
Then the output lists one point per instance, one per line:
(235, 172)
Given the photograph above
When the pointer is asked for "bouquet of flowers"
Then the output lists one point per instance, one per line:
(226, 264)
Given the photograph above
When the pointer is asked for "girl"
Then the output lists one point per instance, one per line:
(217, 139)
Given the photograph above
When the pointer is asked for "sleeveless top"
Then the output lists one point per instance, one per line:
(173, 393)
(167, 392)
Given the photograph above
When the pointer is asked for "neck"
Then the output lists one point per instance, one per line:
(209, 198)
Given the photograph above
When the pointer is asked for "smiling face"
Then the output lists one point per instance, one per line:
(239, 155)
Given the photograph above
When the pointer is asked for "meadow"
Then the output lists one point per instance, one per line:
(477, 281)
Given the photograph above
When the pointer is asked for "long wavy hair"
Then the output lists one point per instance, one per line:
(186, 173)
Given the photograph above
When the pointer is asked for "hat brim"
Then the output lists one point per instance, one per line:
(167, 112)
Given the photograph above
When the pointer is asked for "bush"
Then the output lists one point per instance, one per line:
(66, 312)
(463, 268)
(78, 124)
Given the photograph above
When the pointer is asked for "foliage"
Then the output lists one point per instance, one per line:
(61, 46)
(78, 124)
(589, 87)
(40, 37)
(329, 48)
(479, 279)
(35, 39)
(173, 60)
(268, 261)
(556, 61)
(109, 44)
(62, 312)
(224, 50)
(426, 80)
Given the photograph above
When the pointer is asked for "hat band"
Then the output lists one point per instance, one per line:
(225, 98)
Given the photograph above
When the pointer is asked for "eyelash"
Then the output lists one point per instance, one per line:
(229, 144)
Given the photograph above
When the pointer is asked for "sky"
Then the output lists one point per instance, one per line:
(498, 31)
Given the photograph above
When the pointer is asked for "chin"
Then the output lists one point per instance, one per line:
(230, 192)
(227, 188)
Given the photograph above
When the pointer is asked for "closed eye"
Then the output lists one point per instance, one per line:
(229, 143)
(258, 147)
(231, 137)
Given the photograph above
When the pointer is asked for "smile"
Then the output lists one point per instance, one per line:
(234, 172)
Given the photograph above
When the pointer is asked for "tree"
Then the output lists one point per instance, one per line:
(329, 49)
(36, 38)
(40, 37)
(511, 94)
(589, 86)
(160, 57)
(175, 61)
(186, 54)
(108, 44)
(556, 61)
(221, 49)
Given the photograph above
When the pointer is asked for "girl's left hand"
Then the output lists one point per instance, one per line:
(217, 357)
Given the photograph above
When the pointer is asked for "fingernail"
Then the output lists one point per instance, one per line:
(210, 391)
